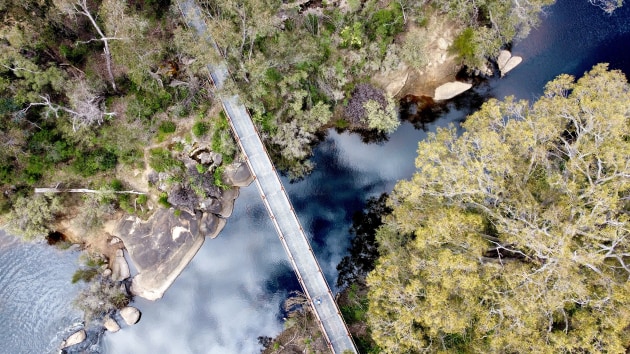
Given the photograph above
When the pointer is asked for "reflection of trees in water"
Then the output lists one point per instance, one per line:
(363, 249)
(421, 111)
(368, 136)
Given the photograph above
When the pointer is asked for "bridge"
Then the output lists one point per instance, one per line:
(276, 200)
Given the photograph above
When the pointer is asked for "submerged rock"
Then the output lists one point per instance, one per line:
(130, 314)
(111, 325)
(450, 90)
(160, 248)
(74, 339)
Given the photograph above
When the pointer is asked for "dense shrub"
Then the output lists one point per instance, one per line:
(385, 22)
(167, 127)
(163, 200)
(355, 110)
(200, 129)
(464, 45)
(85, 275)
(161, 160)
(100, 298)
(92, 162)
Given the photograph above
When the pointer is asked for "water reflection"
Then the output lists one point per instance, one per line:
(231, 293)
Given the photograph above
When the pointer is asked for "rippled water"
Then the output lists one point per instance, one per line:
(35, 296)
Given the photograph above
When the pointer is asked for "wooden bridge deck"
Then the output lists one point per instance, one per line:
(277, 202)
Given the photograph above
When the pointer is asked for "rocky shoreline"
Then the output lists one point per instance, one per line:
(161, 246)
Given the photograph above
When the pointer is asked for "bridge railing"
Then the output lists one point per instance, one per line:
(213, 77)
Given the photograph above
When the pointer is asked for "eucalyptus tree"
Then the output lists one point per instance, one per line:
(80, 8)
(514, 236)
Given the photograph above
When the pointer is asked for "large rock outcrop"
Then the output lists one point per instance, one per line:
(450, 90)
(160, 248)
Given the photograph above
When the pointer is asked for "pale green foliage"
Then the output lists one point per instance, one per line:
(96, 206)
(382, 119)
(132, 50)
(32, 217)
(520, 230)
(413, 49)
(506, 21)
(30, 79)
(99, 298)
(295, 136)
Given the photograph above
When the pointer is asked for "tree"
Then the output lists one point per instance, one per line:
(383, 119)
(31, 217)
(80, 7)
(85, 107)
(514, 237)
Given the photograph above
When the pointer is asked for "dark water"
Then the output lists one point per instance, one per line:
(232, 291)
(35, 296)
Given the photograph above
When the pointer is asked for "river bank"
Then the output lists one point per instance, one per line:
(221, 313)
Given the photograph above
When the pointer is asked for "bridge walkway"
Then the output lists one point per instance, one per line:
(276, 200)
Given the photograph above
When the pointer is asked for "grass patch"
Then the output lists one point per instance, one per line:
(163, 200)
(161, 160)
(200, 129)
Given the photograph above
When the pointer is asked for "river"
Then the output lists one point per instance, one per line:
(36, 296)
(232, 291)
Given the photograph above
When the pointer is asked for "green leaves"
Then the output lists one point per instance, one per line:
(519, 229)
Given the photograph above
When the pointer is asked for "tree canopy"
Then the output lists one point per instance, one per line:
(513, 236)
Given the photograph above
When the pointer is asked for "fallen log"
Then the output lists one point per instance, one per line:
(81, 190)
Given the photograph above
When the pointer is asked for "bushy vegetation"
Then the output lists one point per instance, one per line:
(161, 160)
(100, 298)
(513, 236)
(78, 98)
(200, 129)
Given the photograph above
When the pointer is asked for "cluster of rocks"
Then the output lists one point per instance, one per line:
(163, 245)
(129, 315)
(117, 269)
(505, 62)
